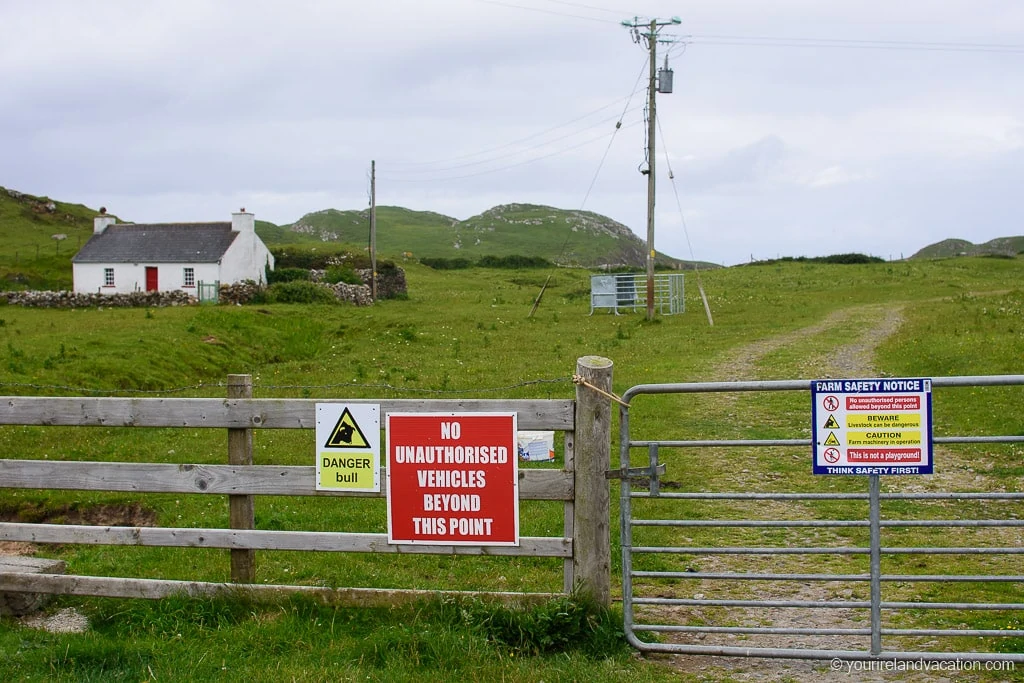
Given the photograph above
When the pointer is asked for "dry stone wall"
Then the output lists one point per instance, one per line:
(65, 299)
(390, 284)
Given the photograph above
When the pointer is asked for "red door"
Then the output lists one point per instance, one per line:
(151, 285)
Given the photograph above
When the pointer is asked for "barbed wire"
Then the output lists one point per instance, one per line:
(289, 387)
(88, 390)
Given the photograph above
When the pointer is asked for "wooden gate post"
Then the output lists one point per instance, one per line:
(591, 530)
(241, 509)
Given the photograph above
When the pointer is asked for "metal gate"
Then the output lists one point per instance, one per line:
(209, 292)
(788, 564)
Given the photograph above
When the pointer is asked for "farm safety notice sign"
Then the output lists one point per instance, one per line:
(872, 426)
(347, 447)
(452, 478)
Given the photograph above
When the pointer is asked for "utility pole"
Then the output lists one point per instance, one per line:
(651, 36)
(373, 230)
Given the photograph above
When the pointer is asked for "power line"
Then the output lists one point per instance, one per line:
(590, 7)
(545, 11)
(507, 144)
(618, 126)
(509, 154)
(784, 41)
(510, 166)
(852, 43)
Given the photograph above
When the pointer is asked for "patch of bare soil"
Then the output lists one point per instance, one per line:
(17, 548)
(133, 514)
(67, 620)
(855, 358)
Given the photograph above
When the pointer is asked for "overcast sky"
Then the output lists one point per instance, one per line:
(797, 127)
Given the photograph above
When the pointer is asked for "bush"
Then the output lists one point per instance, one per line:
(850, 258)
(514, 262)
(336, 274)
(299, 292)
(447, 263)
(286, 275)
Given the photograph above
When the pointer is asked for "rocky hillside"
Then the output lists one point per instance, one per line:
(565, 237)
(1001, 246)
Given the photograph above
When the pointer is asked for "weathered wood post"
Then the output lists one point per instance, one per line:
(241, 509)
(591, 539)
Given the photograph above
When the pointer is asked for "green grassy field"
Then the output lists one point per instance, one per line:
(459, 334)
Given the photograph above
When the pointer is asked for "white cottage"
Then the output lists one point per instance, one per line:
(130, 257)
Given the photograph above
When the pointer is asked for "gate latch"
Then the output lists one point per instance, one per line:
(652, 473)
(636, 472)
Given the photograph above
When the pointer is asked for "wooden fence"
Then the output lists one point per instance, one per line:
(581, 485)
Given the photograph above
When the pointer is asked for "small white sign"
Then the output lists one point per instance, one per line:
(347, 447)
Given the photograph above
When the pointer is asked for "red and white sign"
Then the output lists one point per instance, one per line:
(452, 478)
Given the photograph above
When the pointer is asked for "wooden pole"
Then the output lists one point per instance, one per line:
(373, 230)
(652, 122)
(591, 530)
(241, 509)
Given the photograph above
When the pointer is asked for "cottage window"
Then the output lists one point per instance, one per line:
(108, 277)
(189, 279)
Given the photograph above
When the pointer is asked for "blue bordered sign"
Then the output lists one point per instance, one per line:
(872, 426)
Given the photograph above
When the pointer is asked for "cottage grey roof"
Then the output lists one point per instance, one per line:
(158, 243)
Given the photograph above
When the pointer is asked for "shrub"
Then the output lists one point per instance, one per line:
(299, 292)
(514, 262)
(336, 274)
(446, 263)
(850, 258)
(286, 275)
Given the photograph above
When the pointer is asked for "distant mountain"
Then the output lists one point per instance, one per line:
(1001, 246)
(565, 237)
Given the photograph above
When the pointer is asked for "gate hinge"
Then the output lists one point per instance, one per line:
(636, 472)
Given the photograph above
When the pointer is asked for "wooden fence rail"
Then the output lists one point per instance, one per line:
(583, 544)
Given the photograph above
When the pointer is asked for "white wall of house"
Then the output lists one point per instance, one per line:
(131, 277)
(247, 256)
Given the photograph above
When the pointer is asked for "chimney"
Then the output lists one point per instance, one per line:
(243, 221)
(100, 223)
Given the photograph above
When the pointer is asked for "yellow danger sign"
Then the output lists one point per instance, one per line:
(831, 422)
(346, 471)
(831, 440)
(346, 433)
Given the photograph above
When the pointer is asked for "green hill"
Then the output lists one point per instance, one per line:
(398, 230)
(1001, 246)
(580, 238)
(39, 237)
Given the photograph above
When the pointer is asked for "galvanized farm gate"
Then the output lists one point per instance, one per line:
(814, 567)
(628, 292)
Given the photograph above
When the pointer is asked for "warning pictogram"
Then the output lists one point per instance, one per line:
(348, 447)
(831, 422)
(831, 455)
(346, 433)
(831, 440)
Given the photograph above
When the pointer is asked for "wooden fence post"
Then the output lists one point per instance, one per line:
(591, 539)
(241, 509)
